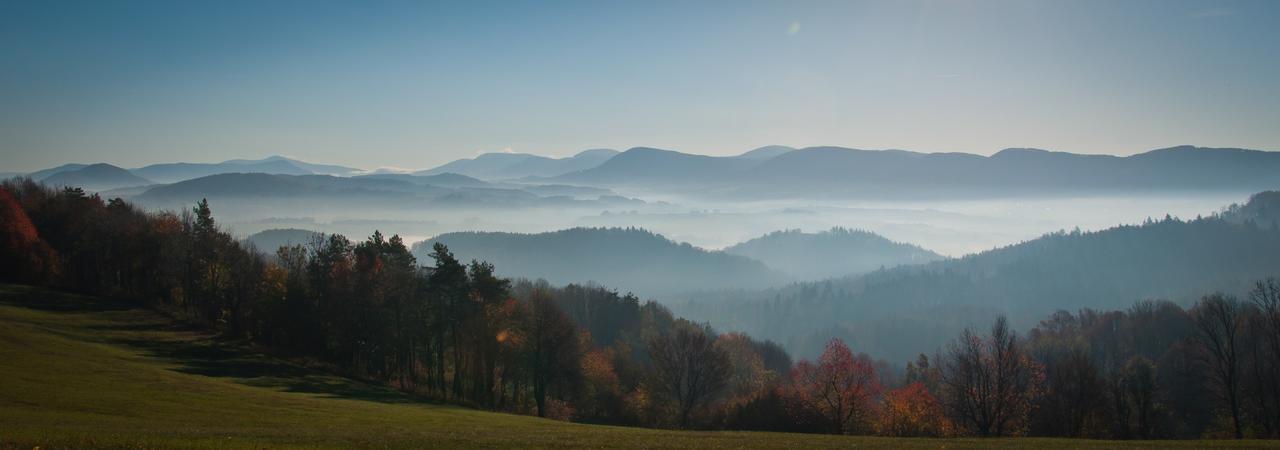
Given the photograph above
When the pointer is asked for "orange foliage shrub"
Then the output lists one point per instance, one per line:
(912, 411)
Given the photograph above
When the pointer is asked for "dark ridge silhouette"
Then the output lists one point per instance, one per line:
(628, 259)
(832, 253)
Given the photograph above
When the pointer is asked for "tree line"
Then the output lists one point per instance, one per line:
(453, 331)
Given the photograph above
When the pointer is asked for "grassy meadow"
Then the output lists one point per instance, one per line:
(81, 372)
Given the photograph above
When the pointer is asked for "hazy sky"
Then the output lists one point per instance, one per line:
(412, 84)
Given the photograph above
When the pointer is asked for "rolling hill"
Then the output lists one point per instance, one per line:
(832, 253)
(42, 174)
(96, 177)
(626, 259)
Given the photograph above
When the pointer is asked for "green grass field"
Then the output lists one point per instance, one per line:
(85, 372)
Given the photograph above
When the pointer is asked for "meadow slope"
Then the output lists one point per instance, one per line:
(86, 372)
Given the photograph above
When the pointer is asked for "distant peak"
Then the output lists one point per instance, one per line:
(1178, 148)
(767, 151)
(596, 152)
(1024, 151)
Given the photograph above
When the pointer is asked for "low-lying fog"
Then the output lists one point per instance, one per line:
(952, 228)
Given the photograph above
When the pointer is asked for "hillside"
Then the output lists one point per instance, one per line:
(96, 177)
(1262, 209)
(627, 259)
(833, 253)
(896, 313)
(85, 372)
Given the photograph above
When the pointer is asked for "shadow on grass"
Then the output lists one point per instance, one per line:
(199, 353)
(43, 300)
(210, 357)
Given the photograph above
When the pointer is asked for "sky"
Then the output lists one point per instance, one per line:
(417, 84)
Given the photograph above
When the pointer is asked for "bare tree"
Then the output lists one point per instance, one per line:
(989, 384)
(1266, 351)
(689, 367)
(1218, 319)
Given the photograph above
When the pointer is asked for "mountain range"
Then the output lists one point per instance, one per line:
(388, 192)
(102, 177)
(835, 172)
(778, 172)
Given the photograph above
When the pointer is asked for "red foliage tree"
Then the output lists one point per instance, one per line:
(840, 388)
(24, 257)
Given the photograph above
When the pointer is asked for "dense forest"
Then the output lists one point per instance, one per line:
(896, 313)
(454, 331)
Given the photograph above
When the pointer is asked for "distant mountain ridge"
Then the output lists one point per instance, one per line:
(502, 166)
(276, 165)
(779, 172)
(837, 172)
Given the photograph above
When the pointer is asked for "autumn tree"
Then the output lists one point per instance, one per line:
(748, 375)
(911, 411)
(24, 256)
(839, 387)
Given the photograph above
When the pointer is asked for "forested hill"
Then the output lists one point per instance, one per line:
(898, 312)
(833, 253)
(628, 259)
(1262, 209)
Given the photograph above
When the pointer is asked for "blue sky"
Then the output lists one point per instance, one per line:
(415, 84)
